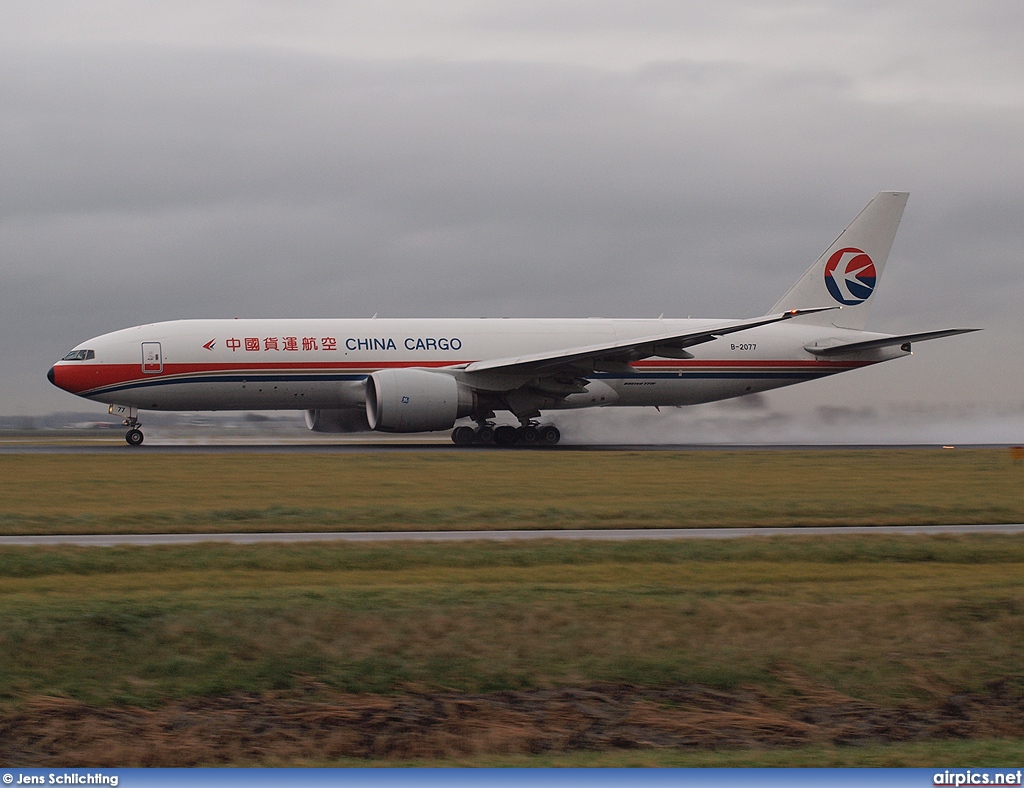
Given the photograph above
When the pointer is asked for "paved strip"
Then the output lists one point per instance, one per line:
(394, 447)
(623, 535)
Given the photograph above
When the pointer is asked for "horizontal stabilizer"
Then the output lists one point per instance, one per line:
(872, 344)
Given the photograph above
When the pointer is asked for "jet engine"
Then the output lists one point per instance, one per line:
(415, 400)
(347, 420)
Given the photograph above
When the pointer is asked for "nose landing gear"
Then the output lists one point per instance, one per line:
(134, 436)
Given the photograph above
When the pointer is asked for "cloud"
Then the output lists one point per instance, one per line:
(216, 162)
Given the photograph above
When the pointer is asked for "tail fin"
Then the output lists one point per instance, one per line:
(848, 271)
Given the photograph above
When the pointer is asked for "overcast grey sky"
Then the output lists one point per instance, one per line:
(197, 159)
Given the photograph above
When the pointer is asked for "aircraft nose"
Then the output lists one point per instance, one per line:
(49, 376)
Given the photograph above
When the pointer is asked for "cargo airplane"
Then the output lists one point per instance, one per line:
(423, 375)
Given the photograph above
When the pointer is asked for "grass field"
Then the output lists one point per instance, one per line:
(897, 622)
(770, 651)
(877, 618)
(430, 490)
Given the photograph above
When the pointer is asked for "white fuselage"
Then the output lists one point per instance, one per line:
(324, 363)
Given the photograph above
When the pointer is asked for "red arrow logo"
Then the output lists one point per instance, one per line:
(209, 345)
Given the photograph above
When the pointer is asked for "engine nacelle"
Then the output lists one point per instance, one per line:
(415, 400)
(347, 420)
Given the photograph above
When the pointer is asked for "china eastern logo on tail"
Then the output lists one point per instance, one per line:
(850, 276)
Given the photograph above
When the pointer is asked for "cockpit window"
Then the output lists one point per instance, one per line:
(79, 355)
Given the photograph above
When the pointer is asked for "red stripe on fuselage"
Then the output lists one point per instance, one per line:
(77, 377)
(793, 364)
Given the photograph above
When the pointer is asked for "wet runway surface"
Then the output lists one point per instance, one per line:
(397, 447)
(624, 535)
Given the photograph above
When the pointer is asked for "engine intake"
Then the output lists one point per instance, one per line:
(415, 400)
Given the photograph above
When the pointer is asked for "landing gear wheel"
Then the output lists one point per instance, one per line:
(134, 437)
(485, 434)
(463, 436)
(549, 435)
(529, 436)
(505, 435)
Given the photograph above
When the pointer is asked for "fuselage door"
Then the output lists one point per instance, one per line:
(152, 358)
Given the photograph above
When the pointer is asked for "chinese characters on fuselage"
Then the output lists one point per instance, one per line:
(256, 344)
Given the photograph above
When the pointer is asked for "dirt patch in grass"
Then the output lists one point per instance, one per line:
(314, 726)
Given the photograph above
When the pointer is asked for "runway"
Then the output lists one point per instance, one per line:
(121, 448)
(620, 535)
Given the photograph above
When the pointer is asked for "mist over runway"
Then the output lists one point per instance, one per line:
(444, 447)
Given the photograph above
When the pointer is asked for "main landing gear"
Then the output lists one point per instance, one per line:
(507, 435)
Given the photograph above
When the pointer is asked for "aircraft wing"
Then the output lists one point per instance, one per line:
(588, 358)
(871, 344)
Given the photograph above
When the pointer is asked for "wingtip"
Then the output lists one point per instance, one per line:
(810, 310)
